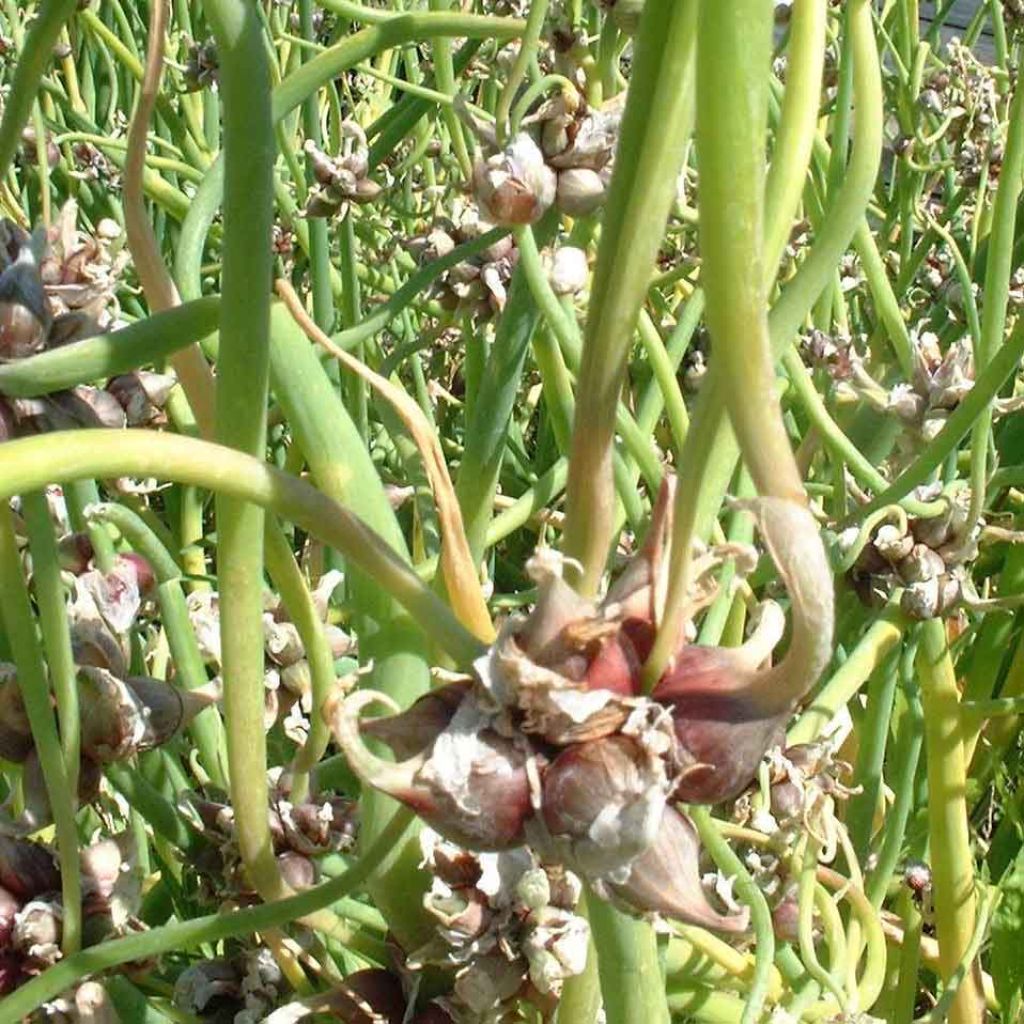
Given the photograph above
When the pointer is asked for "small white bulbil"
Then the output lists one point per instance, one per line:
(568, 273)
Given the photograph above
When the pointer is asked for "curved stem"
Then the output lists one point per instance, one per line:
(655, 128)
(243, 374)
(31, 462)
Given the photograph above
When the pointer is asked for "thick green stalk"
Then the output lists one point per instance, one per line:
(655, 128)
(732, 90)
(627, 962)
(711, 451)
(33, 59)
(241, 414)
(19, 626)
(53, 620)
(107, 355)
(953, 882)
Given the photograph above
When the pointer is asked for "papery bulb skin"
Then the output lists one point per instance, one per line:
(123, 717)
(515, 187)
(298, 871)
(416, 728)
(27, 869)
(718, 723)
(25, 315)
(9, 906)
(603, 803)
(37, 930)
(470, 785)
(37, 812)
(75, 552)
(580, 191)
(666, 879)
(372, 996)
(15, 732)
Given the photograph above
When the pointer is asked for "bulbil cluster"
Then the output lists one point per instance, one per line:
(552, 743)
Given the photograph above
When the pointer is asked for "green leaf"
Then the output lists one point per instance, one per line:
(1008, 935)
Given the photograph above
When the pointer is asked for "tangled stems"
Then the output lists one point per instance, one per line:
(760, 915)
(19, 624)
(33, 59)
(655, 128)
(32, 462)
(210, 929)
(949, 834)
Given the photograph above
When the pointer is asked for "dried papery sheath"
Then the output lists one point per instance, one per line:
(93, 641)
(470, 783)
(123, 717)
(728, 709)
(15, 732)
(27, 869)
(25, 316)
(515, 186)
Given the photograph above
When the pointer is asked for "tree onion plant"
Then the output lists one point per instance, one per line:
(509, 511)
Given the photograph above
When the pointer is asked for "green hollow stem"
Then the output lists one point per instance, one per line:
(903, 775)
(444, 74)
(627, 962)
(868, 654)
(243, 375)
(33, 59)
(794, 141)
(527, 52)
(53, 621)
(656, 126)
(760, 914)
(209, 929)
(733, 55)
(19, 625)
(319, 243)
(107, 355)
(953, 883)
(996, 288)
